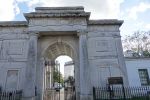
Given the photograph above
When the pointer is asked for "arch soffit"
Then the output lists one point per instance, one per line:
(62, 42)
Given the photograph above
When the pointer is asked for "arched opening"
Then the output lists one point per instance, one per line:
(64, 82)
(66, 67)
(57, 49)
(59, 71)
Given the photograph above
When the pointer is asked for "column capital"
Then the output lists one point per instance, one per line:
(82, 32)
(33, 33)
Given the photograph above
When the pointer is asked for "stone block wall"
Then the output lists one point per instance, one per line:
(104, 53)
(13, 56)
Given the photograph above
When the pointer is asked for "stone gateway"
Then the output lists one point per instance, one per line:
(94, 45)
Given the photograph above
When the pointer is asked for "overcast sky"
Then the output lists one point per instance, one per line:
(135, 13)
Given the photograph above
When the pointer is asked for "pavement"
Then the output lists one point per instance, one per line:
(62, 95)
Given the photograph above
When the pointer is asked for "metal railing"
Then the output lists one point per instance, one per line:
(51, 94)
(69, 93)
(61, 94)
(121, 93)
(11, 95)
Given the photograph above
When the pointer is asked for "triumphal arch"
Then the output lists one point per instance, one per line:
(94, 45)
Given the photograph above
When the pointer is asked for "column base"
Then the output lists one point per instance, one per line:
(86, 97)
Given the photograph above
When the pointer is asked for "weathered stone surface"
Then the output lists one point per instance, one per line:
(105, 22)
(94, 45)
(14, 36)
(59, 9)
(57, 28)
(103, 47)
(10, 65)
(13, 24)
(13, 50)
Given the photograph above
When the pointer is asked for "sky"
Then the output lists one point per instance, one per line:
(62, 60)
(135, 13)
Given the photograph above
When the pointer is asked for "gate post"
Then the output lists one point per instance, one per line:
(85, 85)
(29, 87)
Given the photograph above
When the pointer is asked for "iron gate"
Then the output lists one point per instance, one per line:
(116, 93)
(11, 95)
(62, 94)
(59, 88)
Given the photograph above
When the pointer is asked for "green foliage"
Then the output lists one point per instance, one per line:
(135, 54)
(71, 80)
(57, 76)
(146, 53)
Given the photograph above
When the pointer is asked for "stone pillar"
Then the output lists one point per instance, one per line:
(40, 78)
(29, 86)
(77, 77)
(85, 84)
(121, 59)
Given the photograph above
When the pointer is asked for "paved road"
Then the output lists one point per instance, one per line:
(62, 95)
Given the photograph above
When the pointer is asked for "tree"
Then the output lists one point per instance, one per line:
(138, 42)
(146, 53)
(57, 76)
(71, 80)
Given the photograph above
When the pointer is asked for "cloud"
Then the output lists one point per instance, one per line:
(99, 8)
(22, 0)
(134, 11)
(147, 26)
(8, 10)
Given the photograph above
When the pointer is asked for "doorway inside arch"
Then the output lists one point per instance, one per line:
(64, 82)
(59, 77)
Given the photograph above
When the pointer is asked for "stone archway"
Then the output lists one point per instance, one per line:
(57, 49)
(50, 47)
(96, 45)
(52, 52)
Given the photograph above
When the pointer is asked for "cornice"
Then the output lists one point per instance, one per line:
(13, 24)
(56, 15)
(106, 22)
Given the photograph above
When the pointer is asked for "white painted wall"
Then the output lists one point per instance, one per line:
(132, 66)
(68, 70)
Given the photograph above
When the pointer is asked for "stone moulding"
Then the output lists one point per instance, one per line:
(60, 12)
(13, 24)
(106, 22)
(36, 15)
(60, 8)
(56, 15)
(56, 12)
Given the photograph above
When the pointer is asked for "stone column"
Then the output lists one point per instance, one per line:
(121, 59)
(40, 78)
(77, 76)
(29, 86)
(85, 84)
